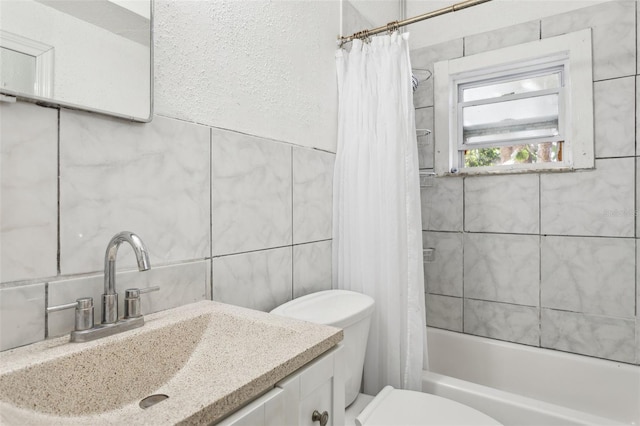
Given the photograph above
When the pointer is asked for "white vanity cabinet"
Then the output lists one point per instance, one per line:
(267, 410)
(318, 386)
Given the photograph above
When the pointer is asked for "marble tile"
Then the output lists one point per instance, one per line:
(442, 205)
(614, 117)
(312, 195)
(596, 202)
(259, 280)
(638, 279)
(638, 340)
(503, 37)
(502, 204)
(424, 58)
(180, 284)
(208, 294)
(311, 268)
(638, 108)
(602, 337)
(250, 193)
(443, 275)
(29, 187)
(502, 321)
(444, 312)
(613, 34)
(151, 179)
(21, 315)
(502, 268)
(424, 120)
(67, 291)
(589, 275)
(637, 189)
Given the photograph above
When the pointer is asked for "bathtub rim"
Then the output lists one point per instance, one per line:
(617, 381)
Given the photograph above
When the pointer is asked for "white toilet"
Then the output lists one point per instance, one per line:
(352, 311)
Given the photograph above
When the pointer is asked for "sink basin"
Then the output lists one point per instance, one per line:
(208, 358)
(115, 371)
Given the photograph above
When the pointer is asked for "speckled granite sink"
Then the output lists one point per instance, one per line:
(209, 358)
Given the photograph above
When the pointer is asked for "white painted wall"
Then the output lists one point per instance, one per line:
(478, 19)
(378, 12)
(261, 67)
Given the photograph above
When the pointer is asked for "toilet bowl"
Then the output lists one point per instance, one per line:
(352, 311)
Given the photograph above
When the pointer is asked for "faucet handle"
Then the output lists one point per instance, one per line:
(83, 314)
(132, 301)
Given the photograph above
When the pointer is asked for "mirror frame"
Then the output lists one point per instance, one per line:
(48, 102)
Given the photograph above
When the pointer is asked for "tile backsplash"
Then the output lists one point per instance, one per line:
(225, 216)
(29, 201)
(546, 259)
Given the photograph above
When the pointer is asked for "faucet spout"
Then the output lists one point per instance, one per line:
(110, 297)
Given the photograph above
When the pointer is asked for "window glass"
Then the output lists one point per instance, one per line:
(513, 87)
(511, 120)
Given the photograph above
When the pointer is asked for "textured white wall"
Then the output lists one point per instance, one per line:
(260, 67)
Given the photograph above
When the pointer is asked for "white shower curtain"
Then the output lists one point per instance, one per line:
(377, 237)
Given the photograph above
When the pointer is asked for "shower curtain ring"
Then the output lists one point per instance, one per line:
(392, 27)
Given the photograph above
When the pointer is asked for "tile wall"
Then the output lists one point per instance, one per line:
(546, 260)
(225, 216)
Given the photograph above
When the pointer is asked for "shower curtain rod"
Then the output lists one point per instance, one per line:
(393, 26)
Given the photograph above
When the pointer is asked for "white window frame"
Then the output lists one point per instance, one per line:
(571, 52)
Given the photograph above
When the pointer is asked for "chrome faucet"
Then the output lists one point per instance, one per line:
(110, 297)
(85, 330)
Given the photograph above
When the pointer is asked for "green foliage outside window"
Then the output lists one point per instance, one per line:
(547, 152)
(482, 157)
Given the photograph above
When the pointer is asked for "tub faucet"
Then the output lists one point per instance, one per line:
(110, 297)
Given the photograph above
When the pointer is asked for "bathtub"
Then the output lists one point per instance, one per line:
(522, 385)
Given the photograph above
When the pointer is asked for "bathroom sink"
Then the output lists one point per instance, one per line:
(207, 358)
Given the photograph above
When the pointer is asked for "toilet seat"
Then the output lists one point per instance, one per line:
(402, 407)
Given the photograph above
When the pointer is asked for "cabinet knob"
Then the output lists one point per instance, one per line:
(322, 418)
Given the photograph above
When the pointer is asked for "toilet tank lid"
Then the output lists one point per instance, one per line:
(338, 308)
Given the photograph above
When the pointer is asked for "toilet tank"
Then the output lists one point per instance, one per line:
(344, 309)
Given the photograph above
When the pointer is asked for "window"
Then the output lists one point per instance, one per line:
(522, 108)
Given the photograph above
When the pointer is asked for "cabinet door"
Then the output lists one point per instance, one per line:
(320, 400)
(264, 411)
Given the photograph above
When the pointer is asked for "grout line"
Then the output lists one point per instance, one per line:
(46, 314)
(637, 289)
(544, 235)
(620, 77)
(211, 213)
(58, 266)
(292, 236)
(540, 29)
(540, 261)
(463, 232)
(211, 127)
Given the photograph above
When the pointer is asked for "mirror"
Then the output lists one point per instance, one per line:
(94, 55)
